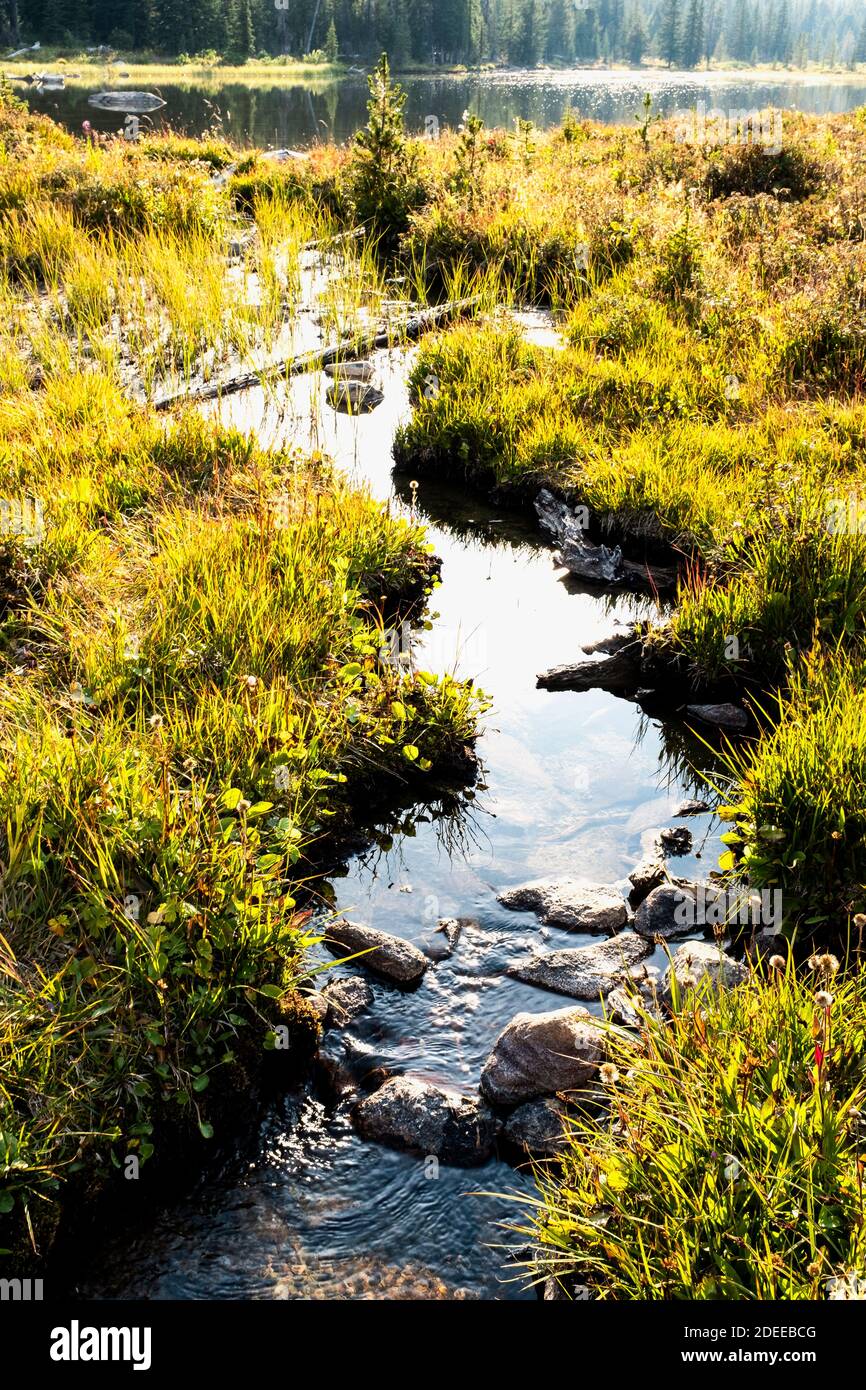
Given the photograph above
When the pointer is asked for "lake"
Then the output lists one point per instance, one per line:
(296, 115)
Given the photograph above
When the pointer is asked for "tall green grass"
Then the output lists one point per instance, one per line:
(728, 1162)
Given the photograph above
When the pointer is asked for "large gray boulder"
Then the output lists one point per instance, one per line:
(569, 903)
(585, 972)
(540, 1054)
(412, 1114)
(386, 955)
(700, 961)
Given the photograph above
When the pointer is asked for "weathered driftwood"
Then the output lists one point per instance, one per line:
(359, 346)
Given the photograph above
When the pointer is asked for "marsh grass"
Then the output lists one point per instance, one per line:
(729, 1160)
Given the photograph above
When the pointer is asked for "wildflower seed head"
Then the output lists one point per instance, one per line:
(823, 999)
(609, 1074)
(777, 962)
(155, 721)
(243, 807)
(250, 682)
(827, 964)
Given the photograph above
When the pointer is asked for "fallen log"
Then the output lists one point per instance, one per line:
(619, 674)
(357, 346)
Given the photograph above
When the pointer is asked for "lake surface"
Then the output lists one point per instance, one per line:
(575, 784)
(298, 115)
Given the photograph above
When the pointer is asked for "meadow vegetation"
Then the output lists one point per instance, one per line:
(192, 699)
(196, 700)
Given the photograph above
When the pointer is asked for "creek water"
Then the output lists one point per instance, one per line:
(277, 111)
(574, 784)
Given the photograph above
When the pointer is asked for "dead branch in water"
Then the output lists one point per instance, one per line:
(353, 347)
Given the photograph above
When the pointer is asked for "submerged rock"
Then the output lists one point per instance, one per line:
(609, 646)
(584, 972)
(569, 903)
(698, 961)
(675, 840)
(537, 1126)
(413, 1114)
(617, 674)
(354, 397)
(442, 944)
(387, 955)
(540, 1054)
(346, 998)
(724, 716)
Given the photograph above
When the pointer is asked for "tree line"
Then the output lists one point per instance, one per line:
(681, 33)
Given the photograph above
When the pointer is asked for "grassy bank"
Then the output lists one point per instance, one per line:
(728, 1162)
(193, 702)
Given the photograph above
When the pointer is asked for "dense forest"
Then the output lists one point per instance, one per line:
(683, 33)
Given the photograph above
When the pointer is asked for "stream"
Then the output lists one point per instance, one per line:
(572, 784)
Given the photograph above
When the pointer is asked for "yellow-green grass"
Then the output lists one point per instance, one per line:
(728, 1162)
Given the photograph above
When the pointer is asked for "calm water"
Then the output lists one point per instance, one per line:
(573, 783)
(299, 115)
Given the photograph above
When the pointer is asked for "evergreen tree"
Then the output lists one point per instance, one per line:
(693, 34)
(669, 36)
(332, 47)
(635, 39)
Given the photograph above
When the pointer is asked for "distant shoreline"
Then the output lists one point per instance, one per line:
(79, 70)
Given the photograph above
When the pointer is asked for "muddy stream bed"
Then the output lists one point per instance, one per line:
(572, 784)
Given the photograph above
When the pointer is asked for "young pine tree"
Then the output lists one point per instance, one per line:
(384, 179)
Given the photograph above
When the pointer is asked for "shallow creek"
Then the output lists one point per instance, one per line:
(574, 784)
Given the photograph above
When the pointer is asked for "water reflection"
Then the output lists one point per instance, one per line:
(273, 113)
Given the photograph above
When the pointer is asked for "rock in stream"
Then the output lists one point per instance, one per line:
(386, 955)
(584, 972)
(569, 903)
(413, 1114)
(540, 1054)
